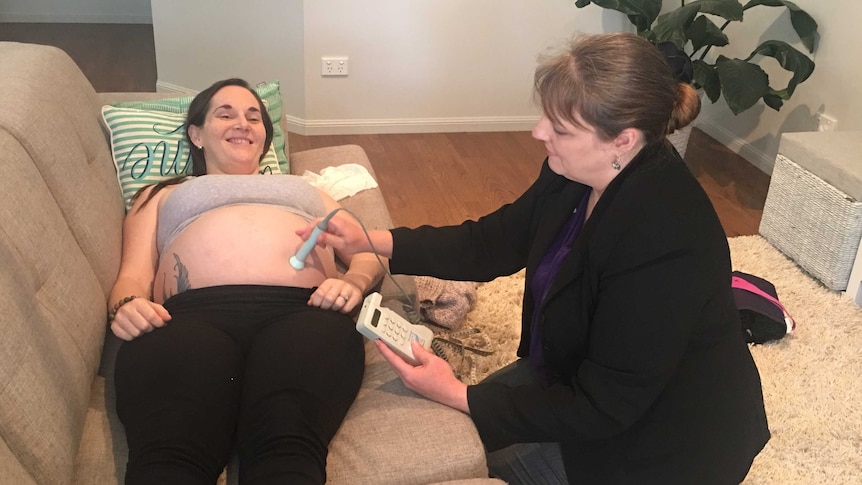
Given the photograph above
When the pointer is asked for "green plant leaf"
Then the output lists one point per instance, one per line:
(704, 32)
(742, 83)
(788, 58)
(726, 9)
(641, 13)
(804, 25)
(706, 77)
(773, 101)
(673, 25)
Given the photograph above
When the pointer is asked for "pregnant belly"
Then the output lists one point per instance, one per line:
(239, 244)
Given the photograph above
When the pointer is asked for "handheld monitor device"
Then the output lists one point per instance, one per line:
(381, 323)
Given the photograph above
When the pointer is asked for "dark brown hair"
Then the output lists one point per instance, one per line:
(196, 116)
(197, 113)
(615, 81)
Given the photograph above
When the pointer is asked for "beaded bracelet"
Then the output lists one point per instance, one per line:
(113, 313)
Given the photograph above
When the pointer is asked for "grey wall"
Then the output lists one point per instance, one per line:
(415, 65)
(755, 134)
(442, 65)
(76, 11)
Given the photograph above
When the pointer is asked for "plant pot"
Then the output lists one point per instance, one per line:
(679, 139)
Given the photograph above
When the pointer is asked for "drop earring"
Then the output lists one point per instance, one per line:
(616, 165)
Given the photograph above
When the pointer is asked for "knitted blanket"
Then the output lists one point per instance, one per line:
(445, 303)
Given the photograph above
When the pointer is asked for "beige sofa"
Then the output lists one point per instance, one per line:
(60, 236)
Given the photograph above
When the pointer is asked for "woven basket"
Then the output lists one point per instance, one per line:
(812, 222)
(679, 139)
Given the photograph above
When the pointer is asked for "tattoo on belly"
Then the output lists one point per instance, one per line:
(182, 276)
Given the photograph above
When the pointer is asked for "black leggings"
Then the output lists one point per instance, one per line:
(245, 364)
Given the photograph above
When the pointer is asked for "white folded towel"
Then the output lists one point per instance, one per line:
(341, 181)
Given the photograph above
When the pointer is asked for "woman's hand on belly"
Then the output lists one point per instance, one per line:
(336, 294)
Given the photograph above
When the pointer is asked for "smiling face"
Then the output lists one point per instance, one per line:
(233, 133)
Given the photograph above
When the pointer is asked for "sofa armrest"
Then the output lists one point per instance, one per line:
(369, 204)
(111, 98)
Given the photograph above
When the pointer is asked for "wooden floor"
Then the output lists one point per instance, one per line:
(425, 178)
(445, 178)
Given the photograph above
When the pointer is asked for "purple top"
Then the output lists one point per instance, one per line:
(545, 274)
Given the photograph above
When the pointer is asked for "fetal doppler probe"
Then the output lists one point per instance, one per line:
(298, 261)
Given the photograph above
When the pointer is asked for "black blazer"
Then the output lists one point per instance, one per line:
(654, 382)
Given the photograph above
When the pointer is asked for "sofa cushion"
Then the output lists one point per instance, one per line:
(149, 147)
(53, 319)
(11, 469)
(59, 250)
(389, 424)
(270, 94)
(103, 460)
(53, 111)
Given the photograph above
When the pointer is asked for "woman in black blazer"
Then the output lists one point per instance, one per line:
(633, 366)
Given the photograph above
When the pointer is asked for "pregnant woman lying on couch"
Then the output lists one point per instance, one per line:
(226, 345)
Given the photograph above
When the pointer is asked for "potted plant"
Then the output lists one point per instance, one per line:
(742, 82)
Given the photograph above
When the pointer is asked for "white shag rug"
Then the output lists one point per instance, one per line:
(812, 379)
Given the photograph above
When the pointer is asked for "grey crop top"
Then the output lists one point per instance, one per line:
(198, 195)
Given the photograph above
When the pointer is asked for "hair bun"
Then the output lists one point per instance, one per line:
(685, 108)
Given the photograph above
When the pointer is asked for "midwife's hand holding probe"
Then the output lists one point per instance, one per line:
(345, 235)
(433, 377)
(340, 294)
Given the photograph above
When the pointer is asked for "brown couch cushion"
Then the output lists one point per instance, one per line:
(418, 440)
(51, 108)
(53, 321)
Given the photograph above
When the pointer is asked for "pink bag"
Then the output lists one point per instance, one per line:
(763, 317)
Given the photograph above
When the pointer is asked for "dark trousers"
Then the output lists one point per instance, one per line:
(243, 365)
(525, 463)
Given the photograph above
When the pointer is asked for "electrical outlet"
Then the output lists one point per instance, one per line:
(826, 122)
(333, 66)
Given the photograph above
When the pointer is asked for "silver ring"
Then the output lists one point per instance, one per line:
(345, 297)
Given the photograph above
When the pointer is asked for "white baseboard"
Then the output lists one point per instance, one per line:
(737, 145)
(54, 18)
(386, 126)
(409, 125)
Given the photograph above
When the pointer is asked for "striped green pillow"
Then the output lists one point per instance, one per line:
(150, 146)
(268, 92)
